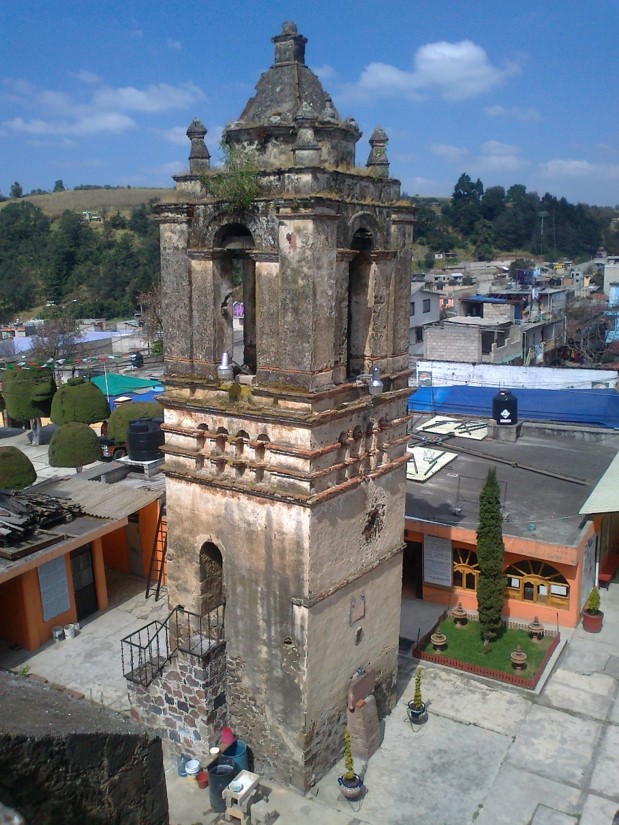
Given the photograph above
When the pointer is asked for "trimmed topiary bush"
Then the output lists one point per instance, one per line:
(79, 400)
(16, 469)
(28, 395)
(118, 422)
(74, 445)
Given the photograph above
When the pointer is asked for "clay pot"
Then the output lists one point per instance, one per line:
(351, 788)
(592, 622)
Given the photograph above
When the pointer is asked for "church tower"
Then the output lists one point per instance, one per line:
(286, 432)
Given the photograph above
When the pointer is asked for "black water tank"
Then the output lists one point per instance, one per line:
(505, 408)
(144, 439)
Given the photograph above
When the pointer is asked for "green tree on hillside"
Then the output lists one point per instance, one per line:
(490, 552)
(59, 186)
(16, 190)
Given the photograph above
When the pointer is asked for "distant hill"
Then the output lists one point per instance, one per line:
(94, 200)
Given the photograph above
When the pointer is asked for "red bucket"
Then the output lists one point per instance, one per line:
(202, 779)
(227, 737)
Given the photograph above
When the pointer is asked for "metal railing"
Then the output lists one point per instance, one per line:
(146, 652)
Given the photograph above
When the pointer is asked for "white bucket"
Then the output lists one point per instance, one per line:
(192, 767)
(57, 633)
(69, 631)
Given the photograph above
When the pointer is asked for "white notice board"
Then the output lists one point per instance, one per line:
(437, 561)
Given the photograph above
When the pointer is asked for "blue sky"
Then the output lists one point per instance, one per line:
(102, 92)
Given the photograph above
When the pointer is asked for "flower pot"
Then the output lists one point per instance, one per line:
(417, 714)
(351, 788)
(592, 622)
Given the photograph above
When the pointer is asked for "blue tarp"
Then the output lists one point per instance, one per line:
(598, 408)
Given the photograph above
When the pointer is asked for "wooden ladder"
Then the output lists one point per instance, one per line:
(157, 566)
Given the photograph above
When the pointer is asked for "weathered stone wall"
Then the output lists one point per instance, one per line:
(187, 703)
(355, 627)
(66, 760)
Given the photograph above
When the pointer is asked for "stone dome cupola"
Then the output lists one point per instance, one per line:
(288, 97)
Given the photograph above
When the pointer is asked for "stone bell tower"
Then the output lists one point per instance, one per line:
(286, 474)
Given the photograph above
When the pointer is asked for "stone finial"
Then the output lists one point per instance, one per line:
(329, 113)
(289, 45)
(199, 155)
(378, 162)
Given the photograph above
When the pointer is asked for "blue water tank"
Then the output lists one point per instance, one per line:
(144, 438)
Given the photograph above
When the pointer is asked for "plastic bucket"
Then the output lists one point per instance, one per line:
(237, 751)
(57, 633)
(202, 779)
(69, 631)
(192, 767)
(220, 774)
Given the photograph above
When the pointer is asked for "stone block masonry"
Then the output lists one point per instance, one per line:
(187, 703)
(67, 760)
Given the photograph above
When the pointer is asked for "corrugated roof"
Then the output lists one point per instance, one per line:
(109, 501)
(605, 495)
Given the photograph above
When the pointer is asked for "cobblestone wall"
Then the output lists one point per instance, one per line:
(187, 703)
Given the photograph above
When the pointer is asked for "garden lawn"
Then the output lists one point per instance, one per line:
(465, 645)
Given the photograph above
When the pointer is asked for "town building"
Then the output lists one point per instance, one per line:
(549, 476)
(424, 309)
(63, 541)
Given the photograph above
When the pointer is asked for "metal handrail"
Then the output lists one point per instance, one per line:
(146, 652)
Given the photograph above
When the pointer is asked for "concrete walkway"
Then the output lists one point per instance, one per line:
(488, 754)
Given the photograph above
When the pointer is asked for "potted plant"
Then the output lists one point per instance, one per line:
(351, 784)
(416, 708)
(592, 616)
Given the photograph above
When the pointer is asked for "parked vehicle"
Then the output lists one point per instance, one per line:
(110, 451)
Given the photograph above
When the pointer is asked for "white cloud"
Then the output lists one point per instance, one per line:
(177, 134)
(567, 168)
(495, 147)
(451, 153)
(88, 125)
(174, 44)
(325, 72)
(452, 71)
(513, 113)
(85, 76)
(158, 97)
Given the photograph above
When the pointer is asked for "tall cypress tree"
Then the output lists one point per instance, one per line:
(490, 550)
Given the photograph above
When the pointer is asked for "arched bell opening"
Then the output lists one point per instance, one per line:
(359, 305)
(238, 293)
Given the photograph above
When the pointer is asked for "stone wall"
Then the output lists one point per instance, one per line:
(452, 342)
(187, 703)
(72, 761)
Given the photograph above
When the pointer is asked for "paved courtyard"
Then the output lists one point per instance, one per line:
(488, 755)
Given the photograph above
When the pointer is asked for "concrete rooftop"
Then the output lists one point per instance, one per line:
(545, 478)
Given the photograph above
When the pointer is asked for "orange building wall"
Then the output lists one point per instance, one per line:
(149, 517)
(115, 552)
(567, 560)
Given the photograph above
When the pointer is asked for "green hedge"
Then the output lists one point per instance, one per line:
(74, 445)
(28, 392)
(118, 423)
(79, 400)
(16, 469)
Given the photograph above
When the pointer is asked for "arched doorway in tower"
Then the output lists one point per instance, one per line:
(211, 578)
